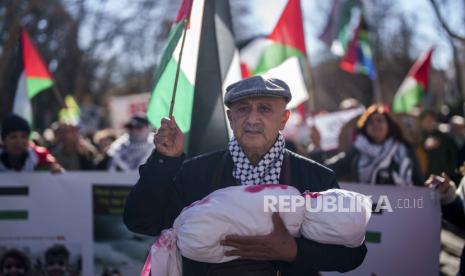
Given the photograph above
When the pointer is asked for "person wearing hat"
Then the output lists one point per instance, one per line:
(133, 148)
(257, 113)
(19, 154)
(72, 150)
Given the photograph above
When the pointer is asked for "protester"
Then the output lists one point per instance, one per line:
(132, 149)
(103, 140)
(457, 133)
(380, 154)
(14, 263)
(57, 263)
(452, 203)
(72, 151)
(21, 155)
(257, 113)
(441, 151)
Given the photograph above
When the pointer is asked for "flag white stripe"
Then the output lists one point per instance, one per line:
(22, 103)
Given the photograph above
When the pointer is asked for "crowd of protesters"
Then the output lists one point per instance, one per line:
(63, 148)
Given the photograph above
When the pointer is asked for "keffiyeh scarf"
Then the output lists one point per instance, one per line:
(267, 170)
(378, 159)
(127, 155)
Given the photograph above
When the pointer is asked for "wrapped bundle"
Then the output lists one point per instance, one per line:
(242, 210)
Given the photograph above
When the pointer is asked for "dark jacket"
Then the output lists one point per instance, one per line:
(156, 200)
(443, 157)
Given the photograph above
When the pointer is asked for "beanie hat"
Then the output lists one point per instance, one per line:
(13, 123)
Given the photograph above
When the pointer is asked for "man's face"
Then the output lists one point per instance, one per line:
(13, 267)
(256, 122)
(67, 134)
(428, 124)
(16, 143)
(56, 265)
(139, 133)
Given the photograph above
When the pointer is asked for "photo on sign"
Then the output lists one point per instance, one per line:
(116, 250)
(40, 258)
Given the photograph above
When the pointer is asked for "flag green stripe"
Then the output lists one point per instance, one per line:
(36, 85)
(373, 237)
(173, 40)
(407, 99)
(274, 55)
(13, 214)
(160, 100)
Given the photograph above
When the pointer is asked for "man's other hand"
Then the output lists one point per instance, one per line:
(279, 245)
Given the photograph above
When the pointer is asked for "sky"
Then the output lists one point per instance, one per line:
(265, 13)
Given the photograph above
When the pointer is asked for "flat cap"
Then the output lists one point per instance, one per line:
(137, 121)
(256, 86)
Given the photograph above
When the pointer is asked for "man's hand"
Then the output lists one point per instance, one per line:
(441, 183)
(169, 139)
(56, 168)
(279, 245)
(444, 185)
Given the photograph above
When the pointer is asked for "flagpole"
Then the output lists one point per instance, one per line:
(58, 96)
(178, 68)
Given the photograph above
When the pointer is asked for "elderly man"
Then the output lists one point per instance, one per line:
(257, 112)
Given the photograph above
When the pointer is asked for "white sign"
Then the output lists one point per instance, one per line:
(405, 241)
(122, 108)
(82, 212)
(330, 125)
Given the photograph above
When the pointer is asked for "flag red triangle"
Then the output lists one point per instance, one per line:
(33, 63)
(420, 70)
(184, 10)
(289, 30)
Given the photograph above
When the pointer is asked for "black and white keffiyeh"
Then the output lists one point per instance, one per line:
(267, 170)
(390, 158)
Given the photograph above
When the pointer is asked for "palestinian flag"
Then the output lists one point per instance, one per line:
(279, 54)
(358, 57)
(32, 77)
(160, 100)
(340, 24)
(218, 66)
(210, 63)
(414, 86)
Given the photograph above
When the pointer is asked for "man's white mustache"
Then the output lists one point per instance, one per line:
(254, 128)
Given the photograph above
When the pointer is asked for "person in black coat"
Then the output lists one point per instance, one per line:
(257, 112)
(452, 203)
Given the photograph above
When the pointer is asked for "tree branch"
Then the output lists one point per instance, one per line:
(443, 23)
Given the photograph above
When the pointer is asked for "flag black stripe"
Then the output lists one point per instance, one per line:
(14, 191)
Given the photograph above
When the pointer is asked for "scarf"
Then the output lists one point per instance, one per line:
(127, 155)
(380, 164)
(267, 171)
(30, 161)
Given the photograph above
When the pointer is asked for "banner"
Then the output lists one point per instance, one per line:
(73, 222)
(329, 125)
(403, 236)
(122, 108)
